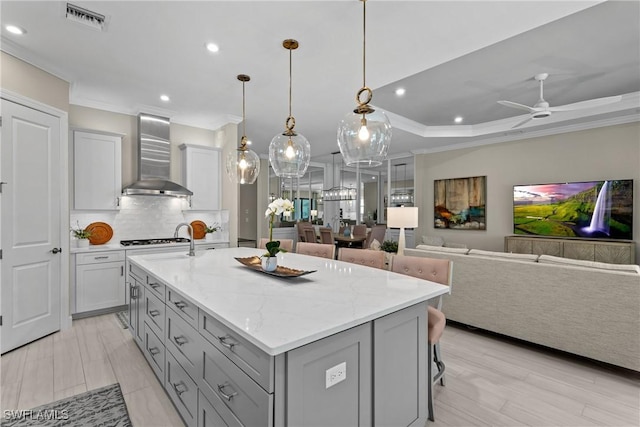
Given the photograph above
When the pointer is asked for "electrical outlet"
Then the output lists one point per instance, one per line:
(336, 374)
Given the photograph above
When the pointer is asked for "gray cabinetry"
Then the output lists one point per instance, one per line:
(588, 250)
(404, 368)
(370, 374)
(329, 381)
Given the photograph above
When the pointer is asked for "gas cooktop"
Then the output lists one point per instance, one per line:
(141, 242)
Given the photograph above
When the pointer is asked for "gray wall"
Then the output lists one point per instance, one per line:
(598, 154)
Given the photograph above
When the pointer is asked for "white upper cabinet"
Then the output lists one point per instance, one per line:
(97, 167)
(201, 173)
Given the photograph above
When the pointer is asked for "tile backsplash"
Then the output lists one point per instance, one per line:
(148, 217)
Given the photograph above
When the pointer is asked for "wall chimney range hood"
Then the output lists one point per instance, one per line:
(154, 160)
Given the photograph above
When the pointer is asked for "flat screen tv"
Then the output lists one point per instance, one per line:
(593, 210)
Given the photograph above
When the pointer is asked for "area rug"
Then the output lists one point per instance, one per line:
(123, 319)
(103, 407)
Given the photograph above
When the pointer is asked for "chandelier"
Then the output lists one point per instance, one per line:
(364, 135)
(289, 152)
(243, 166)
(401, 197)
(339, 193)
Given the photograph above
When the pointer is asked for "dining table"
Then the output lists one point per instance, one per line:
(349, 241)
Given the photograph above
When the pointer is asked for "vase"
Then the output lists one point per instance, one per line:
(269, 263)
(83, 243)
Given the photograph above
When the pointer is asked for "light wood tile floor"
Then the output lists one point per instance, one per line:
(490, 381)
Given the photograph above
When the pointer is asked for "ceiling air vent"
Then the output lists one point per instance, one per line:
(85, 17)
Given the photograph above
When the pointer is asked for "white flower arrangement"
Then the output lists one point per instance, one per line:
(277, 207)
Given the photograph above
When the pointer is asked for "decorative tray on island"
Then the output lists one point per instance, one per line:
(255, 263)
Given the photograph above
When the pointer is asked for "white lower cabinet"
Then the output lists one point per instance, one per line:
(99, 281)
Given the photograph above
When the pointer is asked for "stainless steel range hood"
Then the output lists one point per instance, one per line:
(154, 160)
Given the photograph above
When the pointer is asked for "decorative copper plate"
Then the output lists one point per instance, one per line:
(101, 233)
(198, 229)
(255, 263)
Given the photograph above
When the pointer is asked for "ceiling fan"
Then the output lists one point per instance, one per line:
(542, 110)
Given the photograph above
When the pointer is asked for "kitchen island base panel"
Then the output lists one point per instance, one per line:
(313, 399)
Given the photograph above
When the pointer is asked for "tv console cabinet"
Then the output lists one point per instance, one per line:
(623, 252)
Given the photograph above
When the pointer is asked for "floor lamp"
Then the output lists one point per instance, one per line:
(402, 217)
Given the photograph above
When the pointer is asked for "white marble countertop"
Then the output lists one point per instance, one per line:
(111, 246)
(279, 314)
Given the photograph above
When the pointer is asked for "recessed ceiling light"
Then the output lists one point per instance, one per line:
(13, 29)
(164, 98)
(458, 119)
(373, 177)
(212, 47)
(400, 91)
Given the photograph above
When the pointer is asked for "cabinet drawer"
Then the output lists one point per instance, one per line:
(185, 308)
(253, 361)
(227, 387)
(138, 273)
(95, 257)
(156, 287)
(208, 416)
(184, 342)
(154, 352)
(154, 312)
(182, 390)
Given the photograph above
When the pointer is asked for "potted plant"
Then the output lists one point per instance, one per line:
(209, 230)
(277, 207)
(389, 246)
(82, 235)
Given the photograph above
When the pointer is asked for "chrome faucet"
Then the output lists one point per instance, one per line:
(192, 251)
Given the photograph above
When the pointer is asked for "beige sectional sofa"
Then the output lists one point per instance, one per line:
(586, 308)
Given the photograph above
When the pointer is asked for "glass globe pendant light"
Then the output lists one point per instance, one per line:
(243, 166)
(289, 152)
(364, 135)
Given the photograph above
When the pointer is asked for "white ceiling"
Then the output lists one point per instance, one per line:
(453, 58)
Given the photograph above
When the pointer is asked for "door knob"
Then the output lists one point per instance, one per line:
(56, 250)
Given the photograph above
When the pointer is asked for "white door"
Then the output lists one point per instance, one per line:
(30, 225)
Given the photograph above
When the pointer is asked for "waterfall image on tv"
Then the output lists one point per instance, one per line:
(596, 209)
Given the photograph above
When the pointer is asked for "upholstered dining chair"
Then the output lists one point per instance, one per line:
(302, 226)
(326, 235)
(286, 244)
(360, 230)
(439, 271)
(362, 256)
(310, 235)
(377, 233)
(316, 249)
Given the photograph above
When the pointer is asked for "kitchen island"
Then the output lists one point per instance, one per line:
(343, 346)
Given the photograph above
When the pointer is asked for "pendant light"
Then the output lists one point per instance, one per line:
(289, 152)
(364, 135)
(243, 166)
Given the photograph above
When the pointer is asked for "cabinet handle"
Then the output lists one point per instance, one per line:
(101, 257)
(117, 201)
(180, 304)
(178, 390)
(181, 340)
(154, 285)
(154, 351)
(223, 341)
(122, 270)
(154, 313)
(132, 292)
(221, 388)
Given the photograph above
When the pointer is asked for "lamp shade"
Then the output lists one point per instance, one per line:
(402, 217)
(289, 155)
